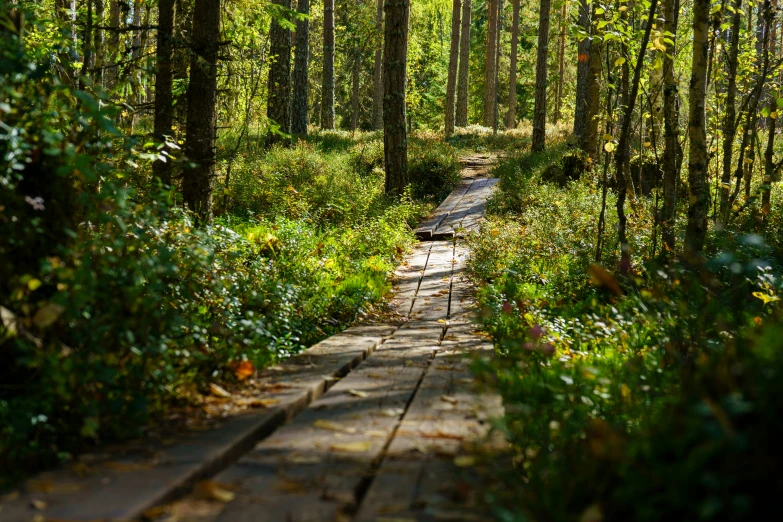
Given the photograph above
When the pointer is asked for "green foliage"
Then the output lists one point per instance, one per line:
(620, 393)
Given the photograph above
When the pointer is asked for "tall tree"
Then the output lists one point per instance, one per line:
(97, 45)
(279, 98)
(769, 11)
(696, 229)
(490, 76)
(589, 136)
(461, 117)
(164, 112)
(623, 146)
(511, 116)
(582, 71)
(561, 62)
(539, 113)
(114, 44)
(202, 113)
(327, 86)
(730, 112)
(672, 151)
(451, 84)
(301, 63)
(355, 85)
(395, 64)
(377, 96)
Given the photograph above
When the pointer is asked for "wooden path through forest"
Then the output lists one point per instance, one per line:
(377, 423)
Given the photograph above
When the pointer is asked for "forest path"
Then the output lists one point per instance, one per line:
(380, 422)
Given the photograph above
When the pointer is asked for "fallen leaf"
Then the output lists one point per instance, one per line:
(211, 490)
(40, 505)
(217, 391)
(357, 393)
(256, 402)
(47, 315)
(375, 433)
(449, 399)
(352, 447)
(304, 459)
(333, 426)
(392, 412)
(243, 370)
(465, 461)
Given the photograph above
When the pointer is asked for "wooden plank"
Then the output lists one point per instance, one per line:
(123, 484)
(432, 299)
(425, 229)
(471, 202)
(312, 468)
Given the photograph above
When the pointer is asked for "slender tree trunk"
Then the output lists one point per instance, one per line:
(770, 8)
(623, 146)
(355, 81)
(490, 88)
(113, 45)
(202, 114)
(395, 65)
(164, 113)
(589, 136)
(327, 95)
(377, 97)
(671, 130)
(730, 112)
(451, 84)
(511, 117)
(461, 118)
(561, 63)
(279, 102)
(696, 231)
(496, 104)
(582, 74)
(539, 114)
(87, 46)
(301, 63)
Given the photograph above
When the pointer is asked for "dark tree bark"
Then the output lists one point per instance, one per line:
(114, 44)
(490, 87)
(589, 140)
(671, 130)
(377, 96)
(451, 84)
(279, 98)
(355, 84)
(730, 112)
(301, 63)
(561, 63)
(395, 64)
(769, 10)
(164, 112)
(202, 100)
(511, 116)
(582, 73)
(97, 45)
(87, 45)
(696, 230)
(461, 118)
(327, 91)
(623, 146)
(539, 113)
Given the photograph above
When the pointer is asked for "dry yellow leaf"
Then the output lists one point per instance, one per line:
(333, 426)
(218, 391)
(256, 403)
(465, 461)
(211, 490)
(357, 393)
(352, 447)
(40, 505)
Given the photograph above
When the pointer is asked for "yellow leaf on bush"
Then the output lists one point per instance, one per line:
(766, 298)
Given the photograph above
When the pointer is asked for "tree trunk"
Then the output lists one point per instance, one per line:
(451, 84)
(490, 88)
(164, 114)
(461, 118)
(278, 109)
(86, 46)
(511, 117)
(561, 63)
(769, 164)
(355, 80)
(395, 64)
(202, 101)
(730, 112)
(671, 130)
(327, 95)
(377, 96)
(696, 231)
(301, 63)
(623, 145)
(539, 113)
(589, 136)
(496, 114)
(582, 75)
(97, 46)
(114, 44)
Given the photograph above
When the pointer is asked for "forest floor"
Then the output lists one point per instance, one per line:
(382, 421)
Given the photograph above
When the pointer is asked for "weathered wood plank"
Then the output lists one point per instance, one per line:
(425, 229)
(122, 485)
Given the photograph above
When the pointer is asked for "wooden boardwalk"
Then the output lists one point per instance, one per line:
(380, 422)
